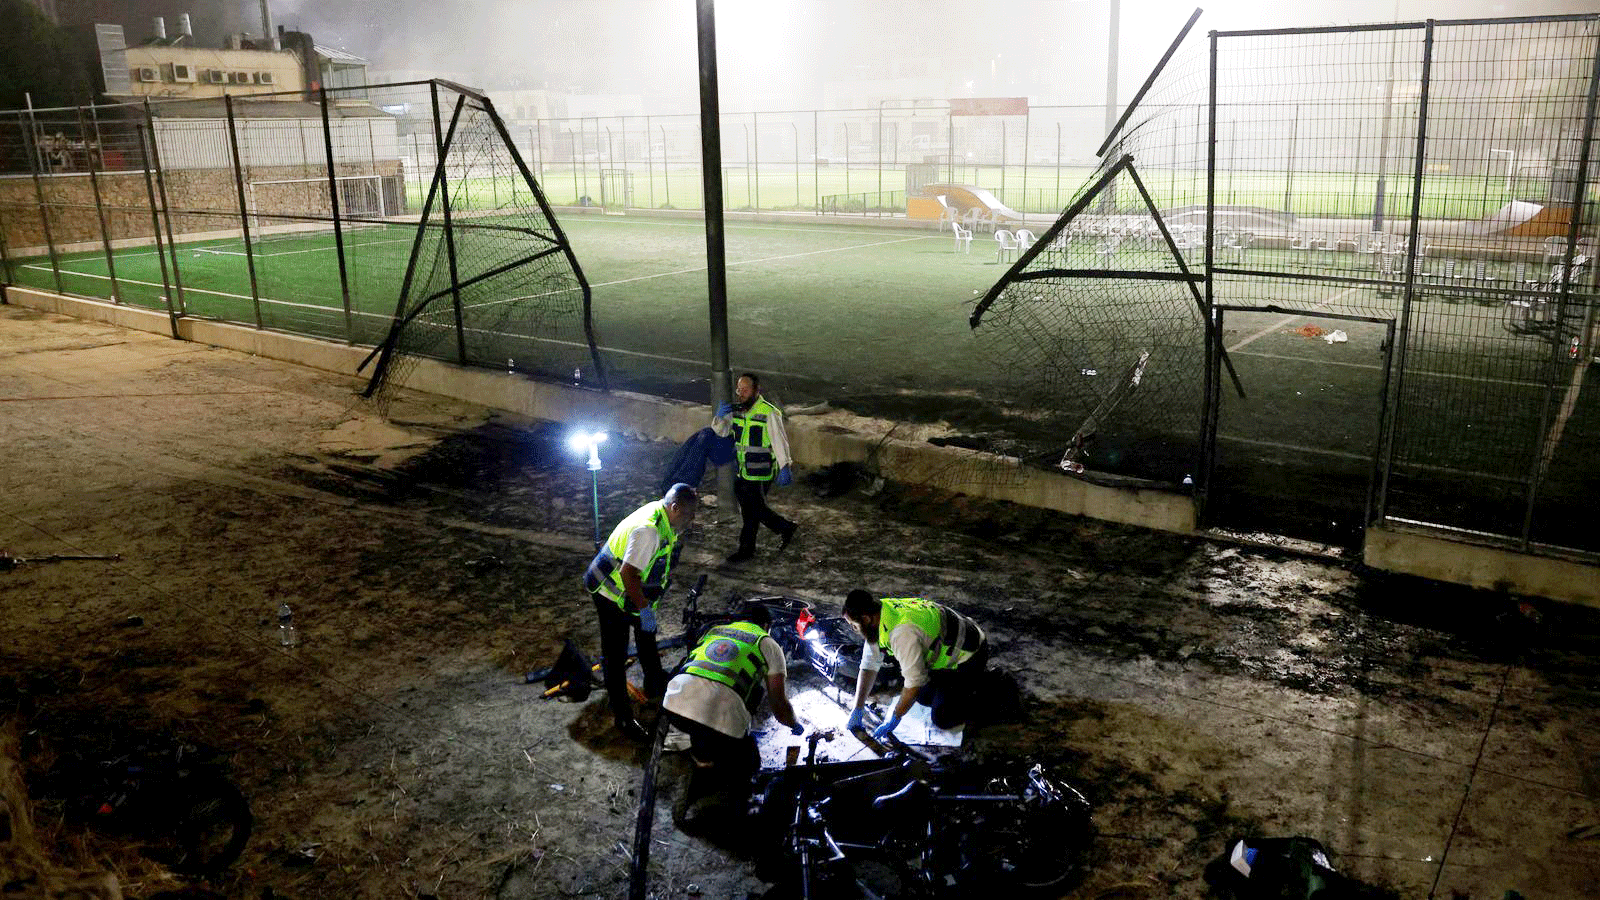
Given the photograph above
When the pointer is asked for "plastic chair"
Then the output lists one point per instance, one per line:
(1025, 239)
(1007, 248)
(946, 214)
(963, 237)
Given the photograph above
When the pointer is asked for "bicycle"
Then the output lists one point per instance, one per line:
(919, 827)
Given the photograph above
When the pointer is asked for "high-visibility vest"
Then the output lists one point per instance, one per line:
(731, 655)
(604, 575)
(752, 440)
(941, 624)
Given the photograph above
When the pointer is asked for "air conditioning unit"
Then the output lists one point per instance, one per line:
(243, 78)
(181, 72)
(265, 78)
(216, 76)
(149, 73)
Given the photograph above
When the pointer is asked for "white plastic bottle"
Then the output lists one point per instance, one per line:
(286, 634)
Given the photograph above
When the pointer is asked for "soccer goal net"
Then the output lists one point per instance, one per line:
(297, 201)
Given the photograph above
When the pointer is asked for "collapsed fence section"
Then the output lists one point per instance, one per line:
(311, 215)
(1394, 228)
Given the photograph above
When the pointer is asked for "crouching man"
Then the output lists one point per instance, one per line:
(942, 654)
(719, 687)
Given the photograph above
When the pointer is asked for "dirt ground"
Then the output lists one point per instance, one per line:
(1441, 742)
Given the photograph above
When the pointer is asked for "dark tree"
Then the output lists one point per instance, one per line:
(38, 58)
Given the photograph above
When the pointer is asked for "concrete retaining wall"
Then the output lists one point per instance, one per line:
(816, 444)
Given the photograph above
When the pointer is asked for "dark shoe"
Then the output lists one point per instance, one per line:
(788, 536)
(633, 731)
(741, 555)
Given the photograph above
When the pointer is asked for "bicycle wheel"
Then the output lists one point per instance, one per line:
(1034, 846)
(211, 825)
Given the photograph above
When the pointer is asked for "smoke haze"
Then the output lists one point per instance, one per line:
(772, 54)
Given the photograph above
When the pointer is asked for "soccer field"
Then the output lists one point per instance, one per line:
(875, 319)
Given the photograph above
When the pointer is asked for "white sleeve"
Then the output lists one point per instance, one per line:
(910, 648)
(780, 437)
(643, 542)
(773, 654)
(871, 657)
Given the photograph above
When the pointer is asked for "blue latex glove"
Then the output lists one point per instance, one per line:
(856, 720)
(886, 729)
(724, 410)
(647, 620)
(785, 477)
(797, 729)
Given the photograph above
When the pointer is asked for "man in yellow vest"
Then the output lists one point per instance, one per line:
(720, 685)
(627, 578)
(941, 652)
(761, 456)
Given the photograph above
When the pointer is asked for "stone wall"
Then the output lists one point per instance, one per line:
(202, 200)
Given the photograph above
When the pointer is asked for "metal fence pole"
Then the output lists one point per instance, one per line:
(155, 226)
(31, 144)
(338, 226)
(99, 204)
(1212, 405)
(166, 210)
(449, 232)
(244, 209)
(6, 274)
(1544, 453)
(1403, 334)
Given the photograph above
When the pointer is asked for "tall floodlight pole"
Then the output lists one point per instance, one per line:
(1111, 65)
(716, 256)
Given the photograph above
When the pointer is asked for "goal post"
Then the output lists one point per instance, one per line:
(292, 201)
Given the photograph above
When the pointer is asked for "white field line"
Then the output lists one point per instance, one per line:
(258, 254)
(192, 290)
(741, 262)
(1361, 457)
(1287, 319)
(1569, 402)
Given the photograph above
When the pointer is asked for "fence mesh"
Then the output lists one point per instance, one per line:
(1436, 178)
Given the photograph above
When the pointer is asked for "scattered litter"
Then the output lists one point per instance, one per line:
(1088, 372)
(1310, 331)
(1336, 337)
(558, 787)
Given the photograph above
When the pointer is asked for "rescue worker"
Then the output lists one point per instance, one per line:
(761, 455)
(627, 578)
(719, 687)
(942, 655)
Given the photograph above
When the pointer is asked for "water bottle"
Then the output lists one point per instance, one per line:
(577, 376)
(511, 367)
(286, 633)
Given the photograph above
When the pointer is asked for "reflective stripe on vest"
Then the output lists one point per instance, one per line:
(731, 655)
(941, 624)
(604, 574)
(752, 440)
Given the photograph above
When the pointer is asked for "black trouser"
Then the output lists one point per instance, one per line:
(952, 694)
(752, 497)
(614, 627)
(734, 756)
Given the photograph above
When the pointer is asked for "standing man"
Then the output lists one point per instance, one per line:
(941, 652)
(627, 578)
(720, 685)
(761, 452)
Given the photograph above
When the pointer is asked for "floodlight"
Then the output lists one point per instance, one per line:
(580, 441)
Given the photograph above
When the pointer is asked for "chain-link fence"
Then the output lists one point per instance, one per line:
(1373, 248)
(829, 161)
(317, 216)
